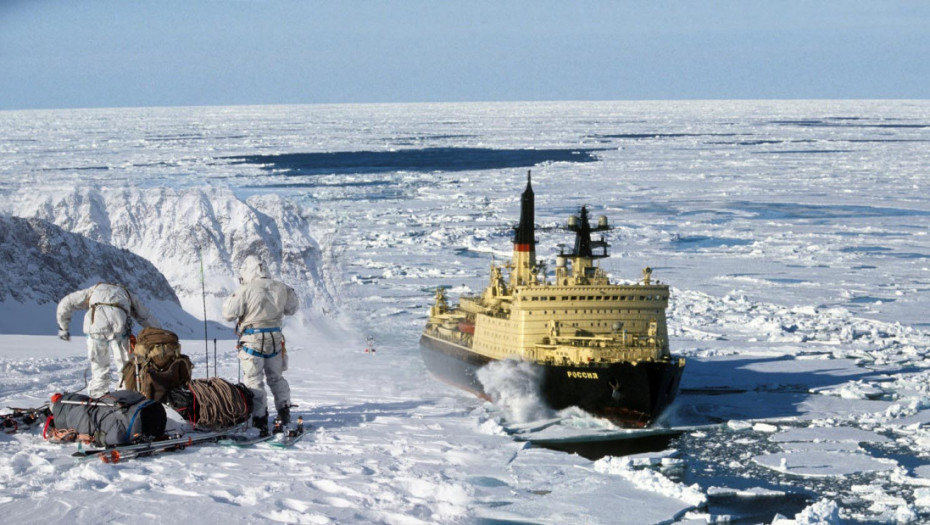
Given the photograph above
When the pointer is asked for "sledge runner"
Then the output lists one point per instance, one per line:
(107, 326)
(258, 307)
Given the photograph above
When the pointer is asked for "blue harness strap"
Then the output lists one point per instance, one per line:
(132, 420)
(250, 330)
(256, 353)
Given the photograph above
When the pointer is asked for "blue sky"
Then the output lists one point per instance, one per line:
(111, 53)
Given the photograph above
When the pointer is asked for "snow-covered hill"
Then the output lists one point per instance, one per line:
(173, 229)
(41, 263)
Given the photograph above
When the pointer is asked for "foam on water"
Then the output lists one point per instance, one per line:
(514, 386)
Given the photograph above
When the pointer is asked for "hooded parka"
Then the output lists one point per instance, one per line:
(259, 307)
(107, 326)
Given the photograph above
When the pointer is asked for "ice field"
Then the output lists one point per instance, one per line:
(794, 236)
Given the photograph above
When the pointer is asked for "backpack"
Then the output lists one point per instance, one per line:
(117, 418)
(160, 365)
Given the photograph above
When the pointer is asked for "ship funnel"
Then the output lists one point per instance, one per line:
(602, 222)
(572, 221)
(524, 239)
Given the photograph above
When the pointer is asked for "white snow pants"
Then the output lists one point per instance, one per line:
(255, 370)
(98, 351)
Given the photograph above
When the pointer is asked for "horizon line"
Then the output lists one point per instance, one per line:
(467, 102)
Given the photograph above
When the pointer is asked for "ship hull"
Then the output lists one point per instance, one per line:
(647, 388)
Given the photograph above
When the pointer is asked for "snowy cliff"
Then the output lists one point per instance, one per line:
(180, 230)
(41, 263)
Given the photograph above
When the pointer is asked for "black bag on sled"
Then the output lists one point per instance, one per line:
(160, 364)
(212, 403)
(117, 418)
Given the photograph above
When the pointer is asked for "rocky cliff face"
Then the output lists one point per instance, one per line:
(40, 263)
(178, 232)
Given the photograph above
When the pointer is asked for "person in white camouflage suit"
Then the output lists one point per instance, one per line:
(107, 326)
(259, 307)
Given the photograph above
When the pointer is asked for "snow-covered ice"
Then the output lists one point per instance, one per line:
(793, 234)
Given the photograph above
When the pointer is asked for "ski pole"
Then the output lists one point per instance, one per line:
(138, 374)
(203, 290)
(85, 382)
(89, 402)
(214, 357)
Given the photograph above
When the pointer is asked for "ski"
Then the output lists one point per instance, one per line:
(41, 411)
(116, 456)
(244, 441)
(21, 418)
(279, 438)
(288, 440)
(177, 442)
(290, 437)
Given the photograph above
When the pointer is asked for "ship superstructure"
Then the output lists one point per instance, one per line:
(604, 347)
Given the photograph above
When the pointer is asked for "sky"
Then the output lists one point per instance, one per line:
(115, 53)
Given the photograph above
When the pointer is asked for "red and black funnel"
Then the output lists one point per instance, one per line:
(524, 239)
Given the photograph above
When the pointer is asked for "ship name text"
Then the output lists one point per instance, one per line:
(581, 375)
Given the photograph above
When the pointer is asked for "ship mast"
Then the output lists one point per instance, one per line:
(524, 240)
(584, 246)
(584, 253)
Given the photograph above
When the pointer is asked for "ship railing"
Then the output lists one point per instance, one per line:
(449, 334)
(594, 356)
(630, 356)
(605, 341)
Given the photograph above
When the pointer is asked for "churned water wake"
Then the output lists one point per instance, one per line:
(514, 386)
